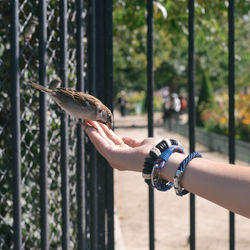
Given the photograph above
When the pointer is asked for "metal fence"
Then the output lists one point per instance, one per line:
(51, 194)
(191, 113)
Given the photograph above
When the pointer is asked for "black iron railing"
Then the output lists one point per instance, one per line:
(55, 153)
(15, 111)
(231, 87)
(191, 108)
(59, 156)
(150, 106)
(64, 127)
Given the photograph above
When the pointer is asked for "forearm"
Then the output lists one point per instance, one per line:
(224, 184)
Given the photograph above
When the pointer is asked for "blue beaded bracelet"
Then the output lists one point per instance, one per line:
(180, 171)
(160, 162)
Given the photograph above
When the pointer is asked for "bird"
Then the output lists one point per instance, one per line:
(79, 105)
(30, 29)
(55, 83)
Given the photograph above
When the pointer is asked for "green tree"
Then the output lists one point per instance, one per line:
(171, 43)
(206, 97)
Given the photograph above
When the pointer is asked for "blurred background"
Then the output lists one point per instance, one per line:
(171, 59)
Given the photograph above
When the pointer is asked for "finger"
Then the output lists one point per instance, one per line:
(87, 123)
(101, 132)
(111, 135)
(101, 143)
(98, 128)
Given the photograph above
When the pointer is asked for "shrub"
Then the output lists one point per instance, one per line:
(206, 98)
(215, 118)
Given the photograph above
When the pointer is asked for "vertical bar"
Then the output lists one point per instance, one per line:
(100, 87)
(108, 78)
(43, 125)
(92, 46)
(92, 89)
(231, 84)
(80, 138)
(150, 106)
(15, 112)
(191, 75)
(64, 127)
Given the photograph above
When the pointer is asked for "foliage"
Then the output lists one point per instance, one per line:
(216, 118)
(206, 98)
(171, 44)
(137, 100)
(158, 103)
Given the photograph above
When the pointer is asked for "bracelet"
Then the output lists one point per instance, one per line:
(159, 184)
(153, 154)
(180, 171)
(162, 146)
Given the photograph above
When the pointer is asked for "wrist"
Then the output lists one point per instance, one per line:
(161, 152)
(161, 162)
(174, 161)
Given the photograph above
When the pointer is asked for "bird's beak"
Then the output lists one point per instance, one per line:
(110, 122)
(107, 119)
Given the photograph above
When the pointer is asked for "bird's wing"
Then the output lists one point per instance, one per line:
(80, 98)
(84, 99)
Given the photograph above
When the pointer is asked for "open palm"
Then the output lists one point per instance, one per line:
(121, 153)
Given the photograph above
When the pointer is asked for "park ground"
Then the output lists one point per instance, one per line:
(171, 212)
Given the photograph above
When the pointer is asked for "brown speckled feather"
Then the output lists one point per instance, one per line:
(80, 98)
(79, 105)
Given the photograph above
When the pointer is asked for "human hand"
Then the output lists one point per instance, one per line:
(121, 153)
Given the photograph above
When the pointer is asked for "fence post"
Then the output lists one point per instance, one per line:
(100, 82)
(81, 222)
(150, 106)
(100, 90)
(92, 171)
(43, 124)
(191, 108)
(64, 127)
(108, 79)
(231, 124)
(15, 122)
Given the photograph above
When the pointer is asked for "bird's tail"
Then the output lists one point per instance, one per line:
(40, 87)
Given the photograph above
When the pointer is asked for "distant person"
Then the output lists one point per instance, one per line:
(166, 105)
(183, 103)
(175, 107)
(122, 102)
(176, 103)
(171, 109)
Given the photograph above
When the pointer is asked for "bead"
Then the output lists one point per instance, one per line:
(154, 152)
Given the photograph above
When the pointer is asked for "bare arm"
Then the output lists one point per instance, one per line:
(224, 184)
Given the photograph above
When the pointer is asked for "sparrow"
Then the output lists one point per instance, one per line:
(79, 105)
(55, 83)
(30, 29)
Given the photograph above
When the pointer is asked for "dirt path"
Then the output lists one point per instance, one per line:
(171, 212)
